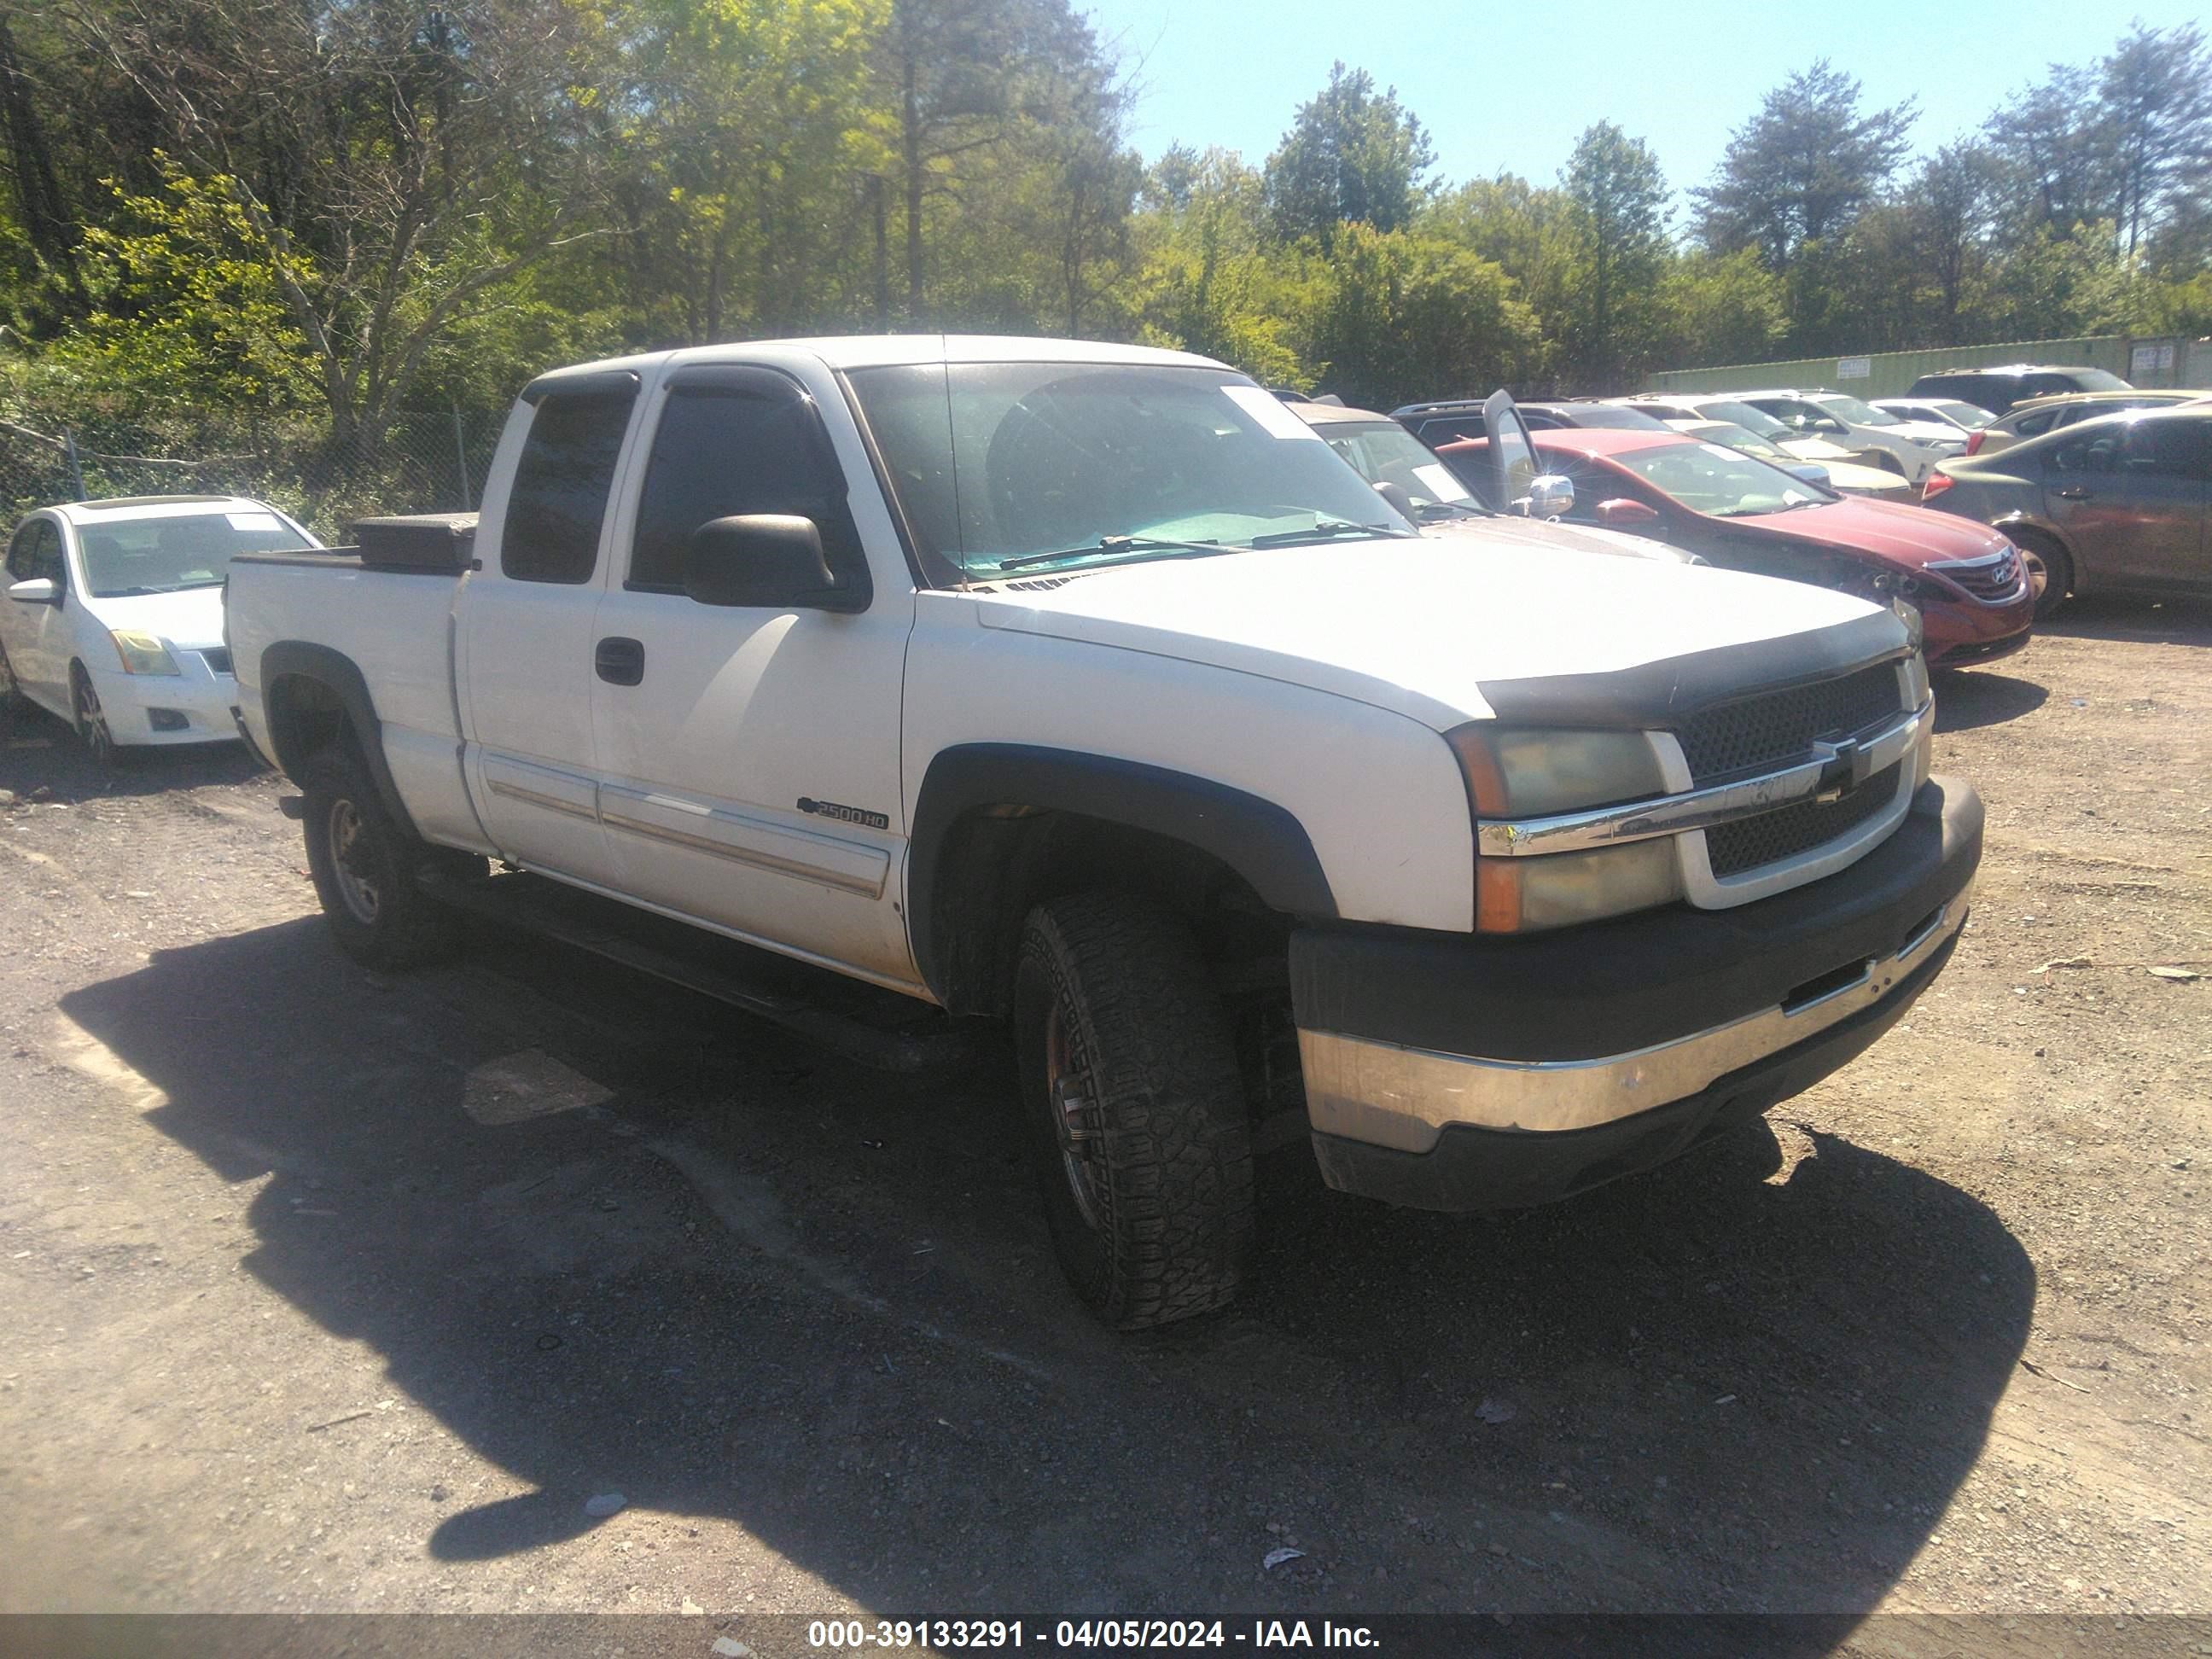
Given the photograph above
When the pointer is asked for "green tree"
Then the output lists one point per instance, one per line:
(747, 122)
(1946, 210)
(1410, 316)
(1617, 219)
(1351, 156)
(2156, 91)
(960, 78)
(2050, 147)
(1204, 281)
(394, 165)
(1801, 169)
(187, 314)
(1722, 307)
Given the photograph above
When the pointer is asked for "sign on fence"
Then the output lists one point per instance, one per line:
(2150, 358)
(1854, 369)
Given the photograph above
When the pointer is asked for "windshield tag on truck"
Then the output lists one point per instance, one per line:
(253, 520)
(830, 809)
(1266, 408)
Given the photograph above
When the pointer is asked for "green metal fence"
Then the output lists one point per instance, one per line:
(2144, 361)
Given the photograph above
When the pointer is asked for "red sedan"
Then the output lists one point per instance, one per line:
(1736, 510)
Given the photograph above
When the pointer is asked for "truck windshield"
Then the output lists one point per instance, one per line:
(167, 555)
(1002, 467)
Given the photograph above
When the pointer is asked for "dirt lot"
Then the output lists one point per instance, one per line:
(324, 1291)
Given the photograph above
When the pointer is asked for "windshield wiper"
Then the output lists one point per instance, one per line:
(1327, 529)
(1115, 545)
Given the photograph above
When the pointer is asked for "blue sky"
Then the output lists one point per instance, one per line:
(1510, 86)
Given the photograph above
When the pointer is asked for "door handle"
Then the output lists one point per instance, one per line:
(619, 661)
(2074, 493)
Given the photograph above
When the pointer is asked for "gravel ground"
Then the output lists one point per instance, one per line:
(326, 1291)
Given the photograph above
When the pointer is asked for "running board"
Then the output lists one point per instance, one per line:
(733, 973)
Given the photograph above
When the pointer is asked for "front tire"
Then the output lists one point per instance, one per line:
(90, 719)
(2050, 571)
(12, 699)
(364, 867)
(1135, 1110)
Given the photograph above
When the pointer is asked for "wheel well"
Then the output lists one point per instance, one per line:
(306, 716)
(2044, 541)
(999, 862)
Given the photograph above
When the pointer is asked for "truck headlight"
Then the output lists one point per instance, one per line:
(142, 652)
(1520, 774)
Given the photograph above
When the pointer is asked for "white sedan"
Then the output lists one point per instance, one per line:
(114, 614)
(1911, 448)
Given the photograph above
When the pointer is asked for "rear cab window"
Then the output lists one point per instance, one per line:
(563, 478)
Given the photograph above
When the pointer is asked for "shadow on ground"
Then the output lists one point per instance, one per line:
(760, 1284)
(37, 751)
(1975, 697)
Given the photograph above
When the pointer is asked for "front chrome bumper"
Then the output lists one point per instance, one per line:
(1404, 1098)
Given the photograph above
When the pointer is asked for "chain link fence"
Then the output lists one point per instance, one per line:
(422, 462)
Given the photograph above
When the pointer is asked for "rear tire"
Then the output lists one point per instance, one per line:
(1135, 1110)
(365, 867)
(2049, 569)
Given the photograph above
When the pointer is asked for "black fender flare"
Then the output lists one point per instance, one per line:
(305, 659)
(1263, 842)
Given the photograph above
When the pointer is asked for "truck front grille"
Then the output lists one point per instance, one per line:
(1784, 833)
(1778, 729)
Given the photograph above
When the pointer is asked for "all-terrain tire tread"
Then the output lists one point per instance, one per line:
(1163, 1067)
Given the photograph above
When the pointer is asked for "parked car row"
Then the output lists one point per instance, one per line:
(2122, 510)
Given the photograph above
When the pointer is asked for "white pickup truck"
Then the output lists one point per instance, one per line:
(1083, 687)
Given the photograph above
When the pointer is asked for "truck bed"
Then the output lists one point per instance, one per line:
(396, 626)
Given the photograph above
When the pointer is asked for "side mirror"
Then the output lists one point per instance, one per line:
(1549, 496)
(1396, 495)
(39, 590)
(1622, 513)
(1811, 472)
(760, 559)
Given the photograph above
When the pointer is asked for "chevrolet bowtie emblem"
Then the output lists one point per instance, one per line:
(1844, 767)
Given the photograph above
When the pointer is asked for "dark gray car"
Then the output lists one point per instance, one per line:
(2112, 505)
(1998, 387)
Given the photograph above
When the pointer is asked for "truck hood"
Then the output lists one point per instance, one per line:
(1419, 626)
(1900, 534)
(191, 620)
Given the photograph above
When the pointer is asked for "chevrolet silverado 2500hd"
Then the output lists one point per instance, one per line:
(1083, 686)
